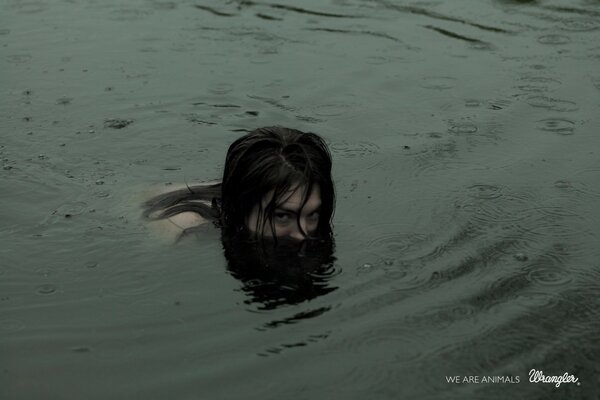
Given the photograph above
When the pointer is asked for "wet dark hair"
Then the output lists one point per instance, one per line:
(267, 159)
(282, 272)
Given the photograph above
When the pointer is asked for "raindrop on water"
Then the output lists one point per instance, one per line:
(46, 289)
(560, 126)
(462, 127)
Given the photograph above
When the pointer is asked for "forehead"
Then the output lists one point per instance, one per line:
(294, 198)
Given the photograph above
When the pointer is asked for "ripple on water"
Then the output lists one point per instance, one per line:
(499, 348)
(532, 301)
(129, 14)
(502, 290)
(335, 109)
(534, 83)
(434, 135)
(18, 58)
(150, 307)
(438, 317)
(462, 127)
(379, 60)
(552, 104)
(586, 181)
(220, 88)
(46, 289)
(472, 103)
(405, 347)
(554, 39)
(498, 104)
(131, 283)
(433, 165)
(484, 192)
(560, 126)
(11, 325)
(547, 242)
(490, 203)
(481, 46)
(101, 194)
(580, 24)
(393, 245)
(71, 209)
(555, 206)
(354, 149)
(163, 5)
(549, 275)
(439, 82)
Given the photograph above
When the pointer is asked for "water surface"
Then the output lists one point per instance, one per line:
(465, 145)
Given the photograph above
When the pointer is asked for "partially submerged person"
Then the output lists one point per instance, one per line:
(276, 182)
(274, 207)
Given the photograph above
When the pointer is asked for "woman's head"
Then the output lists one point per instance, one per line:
(277, 181)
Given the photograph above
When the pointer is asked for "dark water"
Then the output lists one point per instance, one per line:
(465, 143)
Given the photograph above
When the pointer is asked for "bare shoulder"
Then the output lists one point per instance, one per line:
(147, 193)
(186, 220)
(170, 229)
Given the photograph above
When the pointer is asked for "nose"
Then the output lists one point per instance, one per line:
(299, 231)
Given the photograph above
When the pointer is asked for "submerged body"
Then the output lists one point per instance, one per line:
(276, 183)
(294, 218)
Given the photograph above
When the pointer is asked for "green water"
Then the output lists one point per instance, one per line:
(465, 144)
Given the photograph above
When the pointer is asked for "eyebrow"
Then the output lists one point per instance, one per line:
(292, 211)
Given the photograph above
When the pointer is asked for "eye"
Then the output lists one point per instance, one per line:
(314, 216)
(282, 217)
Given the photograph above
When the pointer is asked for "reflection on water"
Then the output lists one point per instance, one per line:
(282, 272)
(464, 139)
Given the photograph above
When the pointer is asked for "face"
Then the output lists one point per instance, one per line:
(290, 219)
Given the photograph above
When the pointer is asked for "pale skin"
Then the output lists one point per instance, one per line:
(290, 219)
(170, 229)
